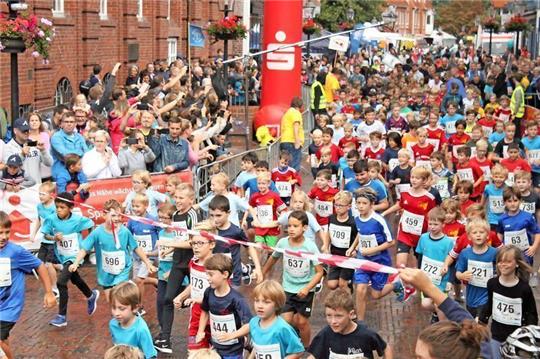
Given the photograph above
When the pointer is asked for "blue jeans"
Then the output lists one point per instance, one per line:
(296, 154)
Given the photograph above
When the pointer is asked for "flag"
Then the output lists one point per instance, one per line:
(196, 36)
(339, 43)
(356, 38)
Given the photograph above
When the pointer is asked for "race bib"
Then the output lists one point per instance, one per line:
(340, 235)
(529, 207)
(517, 238)
(487, 131)
(181, 235)
(144, 241)
(533, 156)
(435, 142)
(270, 351)
(368, 241)
(69, 245)
(222, 324)
(264, 213)
(481, 272)
(425, 164)
(455, 148)
(504, 117)
(432, 268)
(465, 174)
(496, 204)
(314, 162)
(400, 188)
(450, 127)
(295, 266)
(199, 283)
(507, 310)
(412, 223)
(113, 262)
(487, 172)
(473, 151)
(284, 188)
(167, 257)
(510, 179)
(392, 163)
(505, 151)
(323, 208)
(332, 355)
(5, 272)
(442, 186)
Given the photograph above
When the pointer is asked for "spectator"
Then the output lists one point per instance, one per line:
(14, 178)
(100, 162)
(292, 132)
(170, 149)
(66, 141)
(134, 153)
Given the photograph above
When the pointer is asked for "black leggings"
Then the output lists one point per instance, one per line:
(160, 300)
(63, 279)
(174, 287)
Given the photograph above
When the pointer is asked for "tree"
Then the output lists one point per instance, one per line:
(458, 16)
(334, 12)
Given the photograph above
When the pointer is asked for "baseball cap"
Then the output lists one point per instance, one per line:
(21, 124)
(15, 161)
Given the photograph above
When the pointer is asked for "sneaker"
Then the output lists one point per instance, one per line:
(56, 293)
(434, 318)
(92, 302)
(158, 340)
(319, 286)
(141, 312)
(164, 346)
(403, 293)
(533, 282)
(59, 321)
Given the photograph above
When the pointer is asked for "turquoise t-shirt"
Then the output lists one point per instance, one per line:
(43, 213)
(434, 252)
(137, 335)
(276, 341)
(71, 228)
(494, 203)
(113, 264)
(165, 263)
(297, 272)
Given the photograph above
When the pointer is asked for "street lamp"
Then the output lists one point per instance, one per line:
(309, 9)
(226, 6)
(389, 16)
(350, 14)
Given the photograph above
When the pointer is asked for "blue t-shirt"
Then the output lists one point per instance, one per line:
(495, 138)
(145, 234)
(15, 262)
(165, 262)
(514, 228)
(43, 213)
(494, 203)
(348, 174)
(227, 314)
(376, 185)
(154, 199)
(71, 228)
(373, 231)
(276, 341)
(313, 226)
(113, 264)
(477, 293)
(532, 145)
(232, 250)
(449, 123)
(137, 335)
(434, 252)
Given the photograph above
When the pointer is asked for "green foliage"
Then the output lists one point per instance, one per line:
(334, 12)
(458, 16)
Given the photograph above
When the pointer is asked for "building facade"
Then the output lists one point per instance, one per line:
(105, 32)
(413, 16)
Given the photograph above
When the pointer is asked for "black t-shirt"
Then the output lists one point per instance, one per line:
(402, 173)
(342, 234)
(233, 232)
(499, 149)
(189, 219)
(531, 203)
(359, 344)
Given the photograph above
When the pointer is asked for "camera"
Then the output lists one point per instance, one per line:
(163, 131)
(132, 141)
(32, 143)
(143, 106)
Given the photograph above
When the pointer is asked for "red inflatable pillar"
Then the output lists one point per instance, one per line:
(280, 69)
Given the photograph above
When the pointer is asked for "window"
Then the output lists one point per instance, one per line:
(168, 9)
(103, 10)
(63, 93)
(428, 20)
(58, 8)
(172, 45)
(140, 10)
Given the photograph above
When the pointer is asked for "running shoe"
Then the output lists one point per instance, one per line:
(403, 293)
(163, 346)
(434, 318)
(59, 321)
(92, 302)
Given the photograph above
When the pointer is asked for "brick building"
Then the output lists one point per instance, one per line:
(413, 16)
(105, 32)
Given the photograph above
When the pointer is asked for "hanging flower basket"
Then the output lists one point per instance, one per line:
(26, 32)
(344, 26)
(492, 23)
(310, 27)
(228, 28)
(517, 23)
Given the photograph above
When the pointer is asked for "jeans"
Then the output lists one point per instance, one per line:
(174, 287)
(63, 279)
(296, 154)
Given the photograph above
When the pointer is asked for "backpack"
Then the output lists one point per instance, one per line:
(84, 87)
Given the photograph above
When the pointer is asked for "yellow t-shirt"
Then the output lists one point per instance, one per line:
(330, 85)
(287, 126)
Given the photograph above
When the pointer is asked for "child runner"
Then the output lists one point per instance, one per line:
(339, 238)
(493, 195)
(433, 247)
(114, 245)
(514, 163)
(323, 195)
(349, 136)
(468, 171)
(363, 179)
(141, 184)
(443, 177)
(390, 156)
(248, 172)
(530, 200)
(482, 159)
(65, 229)
(372, 243)
(532, 148)
(170, 187)
(416, 203)
(327, 164)
(225, 309)
(300, 202)
(347, 172)
(464, 190)
(313, 148)
(375, 149)
(15, 262)
(271, 335)
(400, 177)
(286, 178)
(422, 150)
(501, 149)
(300, 275)
(511, 302)
(126, 326)
(476, 265)
(344, 337)
(436, 134)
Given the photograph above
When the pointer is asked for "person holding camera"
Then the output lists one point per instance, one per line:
(134, 153)
(171, 149)
(100, 162)
(33, 153)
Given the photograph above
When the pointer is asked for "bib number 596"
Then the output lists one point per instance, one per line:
(112, 261)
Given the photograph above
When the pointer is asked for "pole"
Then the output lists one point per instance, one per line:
(226, 48)
(490, 37)
(517, 45)
(308, 47)
(188, 44)
(14, 87)
(246, 100)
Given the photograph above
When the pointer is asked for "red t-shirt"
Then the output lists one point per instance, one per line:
(487, 125)
(371, 154)
(454, 229)
(336, 153)
(465, 205)
(324, 203)
(282, 180)
(503, 114)
(344, 141)
(485, 165)
(422, 153)
(456, 141)
(436, 137)
(470, 172)
(513, 166)
(199, 283)
(267, 206)
(463, 242)
(413, 220)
